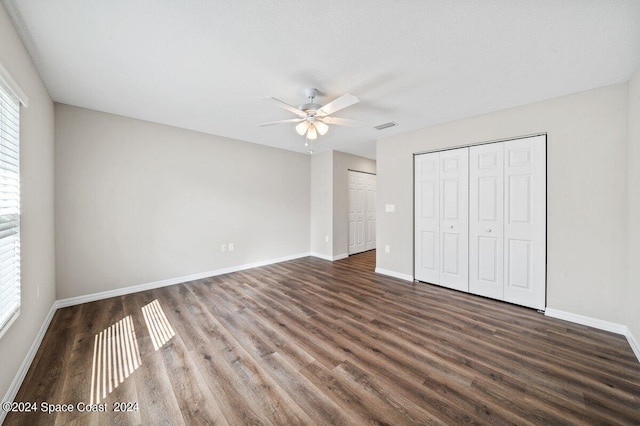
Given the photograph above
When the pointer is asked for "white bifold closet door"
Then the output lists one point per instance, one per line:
(495, 245)
(486, 220)
(507, 221)
(427, 217)
(525, 221)
(454, 219)
(370, 211)
(362, 211)
(441, 212)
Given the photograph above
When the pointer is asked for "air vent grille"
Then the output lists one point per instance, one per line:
(386, 125)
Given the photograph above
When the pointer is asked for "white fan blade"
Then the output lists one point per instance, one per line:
(291, 120)
(288, 107)
(342, 121)
(337, 104)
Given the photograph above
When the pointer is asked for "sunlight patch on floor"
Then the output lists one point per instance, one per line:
(159, 328)
(115, 357)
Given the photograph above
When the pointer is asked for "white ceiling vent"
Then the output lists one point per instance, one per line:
(386, 125)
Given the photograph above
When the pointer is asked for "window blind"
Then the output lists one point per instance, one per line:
(9, 207)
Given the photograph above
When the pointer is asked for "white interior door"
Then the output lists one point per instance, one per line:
(362, 211)
(351, 190)
(454, 218)
(356, 213)
(486, 220)
(525, 221)
(427, 218)
(370, 212)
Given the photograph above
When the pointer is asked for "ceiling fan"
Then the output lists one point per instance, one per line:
(312, 117)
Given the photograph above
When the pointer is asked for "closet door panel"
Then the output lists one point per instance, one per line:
(454, 219)
(357, 214)
(486, 221)
(427, 218)
(525, 221)
(371, 211)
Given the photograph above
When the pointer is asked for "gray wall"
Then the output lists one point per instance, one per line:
(37, 224)
(633, 297)
(342, 163)
(322, 204)
(138, 202)
(587, 193)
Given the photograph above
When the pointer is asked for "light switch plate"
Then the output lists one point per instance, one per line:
(389, 208)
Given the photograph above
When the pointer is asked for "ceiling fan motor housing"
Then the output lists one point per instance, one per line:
(311, 106)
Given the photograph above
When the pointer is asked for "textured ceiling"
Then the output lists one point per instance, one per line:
(205, 65)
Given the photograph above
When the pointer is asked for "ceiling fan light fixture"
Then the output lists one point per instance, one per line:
(314, 119)
(311, 133)
(321, 127)
(302, 128)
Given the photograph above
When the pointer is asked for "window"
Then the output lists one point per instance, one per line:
(9, 205)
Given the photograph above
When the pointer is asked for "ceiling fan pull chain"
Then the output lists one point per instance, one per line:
(309, 144)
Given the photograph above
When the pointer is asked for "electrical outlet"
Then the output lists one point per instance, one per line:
(326, 238)
(231, 247)
(224, 247)
(387, 249)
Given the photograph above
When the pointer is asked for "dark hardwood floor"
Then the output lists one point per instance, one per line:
(314, 342)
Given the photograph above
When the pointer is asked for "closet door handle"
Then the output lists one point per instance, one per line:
(488, 229)
(450, 226)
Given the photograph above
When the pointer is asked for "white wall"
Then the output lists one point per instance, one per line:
(587, 192)
(37, 221)
(633, 295)
(322, 204)
(138, 202)
(342, 163)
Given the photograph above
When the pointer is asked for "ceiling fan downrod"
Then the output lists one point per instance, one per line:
(310, 107)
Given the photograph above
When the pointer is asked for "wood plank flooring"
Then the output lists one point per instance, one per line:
(315, 342)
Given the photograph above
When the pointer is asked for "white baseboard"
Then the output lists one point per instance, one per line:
(635, 347)
(591, 322)
(321, 256)
(597, 323)
(329, 258)
(63, 303)
(26, 363)
(394, 274)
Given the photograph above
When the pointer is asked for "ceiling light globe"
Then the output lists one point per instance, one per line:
(321, 127)
(311, 133)
(302, 128)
